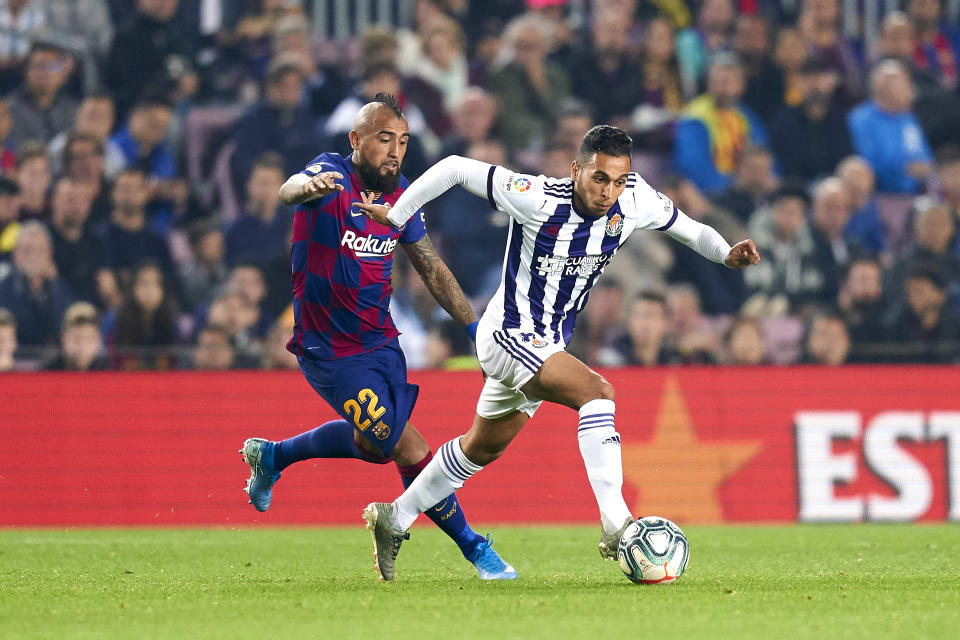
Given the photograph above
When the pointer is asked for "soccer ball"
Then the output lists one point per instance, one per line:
(653, 550)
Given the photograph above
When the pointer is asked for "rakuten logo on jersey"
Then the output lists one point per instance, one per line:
(368, 246)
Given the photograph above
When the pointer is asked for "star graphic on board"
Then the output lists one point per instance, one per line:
(676, 474)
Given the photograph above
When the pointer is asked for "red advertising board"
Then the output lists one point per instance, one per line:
(699, 445)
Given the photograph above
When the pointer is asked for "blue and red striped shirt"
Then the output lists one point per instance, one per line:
(341, 262)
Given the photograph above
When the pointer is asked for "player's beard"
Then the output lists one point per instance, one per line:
(373, 180)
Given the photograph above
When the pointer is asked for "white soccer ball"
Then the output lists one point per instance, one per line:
(653, 550)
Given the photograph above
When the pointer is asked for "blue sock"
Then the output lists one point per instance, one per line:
(446, 514)
(331, 440)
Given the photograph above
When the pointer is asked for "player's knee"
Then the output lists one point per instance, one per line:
(602, 390)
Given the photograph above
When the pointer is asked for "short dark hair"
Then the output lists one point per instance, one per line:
(651, 295)
(270, 160)
(391, 101)
(605, 139)
(791, 189)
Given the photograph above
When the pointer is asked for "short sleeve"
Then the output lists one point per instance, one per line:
(318, 165)
(654, 209)
(415, 229)
(513, 193)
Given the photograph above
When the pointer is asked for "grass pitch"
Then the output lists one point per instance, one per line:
(861, 581)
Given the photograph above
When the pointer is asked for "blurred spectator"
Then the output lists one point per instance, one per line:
(141, 144)
(33, 292)
(443, 62)
(241, 319)
(76, 249)
(248, 281)
(789, 54)
(261, 231)
(697, 44)
(81, 344)
(831, 214)
(925, 329)
(88, 19)
(146, 323)
(721, 290)
(281, 123)
(653, 118)
(828, 341)
(473, 234)
(40, 110)
(936, 108)
(126, 239)
(753, 183)
(820, 26)
(694, 338)
(9, 217)
(473, 120)
(865, 228)
(17, 18)
(949, 179)
(862, 308)
(381, 49)
(84, 164)
(8, 340)
(809, 140)
(34, 178)
(597, 319)
(789, 275)
(938, 42)
(716, 128)
(645, 339)
(276, 355)
(8, 150)
(934, 228)
(214, 350)
(887, 134)
(751, 42)
(94, 118)
(145, 53)
(745, 344)
(207, 270)
(573, 121)
(605, 72)
(528, 86)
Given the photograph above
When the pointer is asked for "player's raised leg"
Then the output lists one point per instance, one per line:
(565, 380)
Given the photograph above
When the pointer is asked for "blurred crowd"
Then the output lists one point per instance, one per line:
(142, 145)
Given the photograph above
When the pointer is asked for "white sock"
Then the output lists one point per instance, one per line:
(443, 475)
(600, 448)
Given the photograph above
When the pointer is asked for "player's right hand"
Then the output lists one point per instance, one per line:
(322, 184)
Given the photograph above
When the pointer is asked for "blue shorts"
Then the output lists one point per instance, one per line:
(369, 390)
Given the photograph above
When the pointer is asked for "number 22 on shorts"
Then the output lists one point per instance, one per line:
(374, 411)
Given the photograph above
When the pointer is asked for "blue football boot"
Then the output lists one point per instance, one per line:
(489, 564)
(258, 453)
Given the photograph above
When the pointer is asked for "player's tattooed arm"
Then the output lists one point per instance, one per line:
(441, 283)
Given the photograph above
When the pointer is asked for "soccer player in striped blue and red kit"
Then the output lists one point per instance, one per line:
(344, 337)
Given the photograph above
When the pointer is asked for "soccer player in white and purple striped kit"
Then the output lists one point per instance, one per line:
(563, 234)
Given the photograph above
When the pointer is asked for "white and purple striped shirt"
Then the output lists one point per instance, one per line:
(554, 254)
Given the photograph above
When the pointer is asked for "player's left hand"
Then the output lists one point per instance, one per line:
(376, 212)
(743, 254)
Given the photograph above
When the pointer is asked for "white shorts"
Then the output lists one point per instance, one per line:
(509, 357)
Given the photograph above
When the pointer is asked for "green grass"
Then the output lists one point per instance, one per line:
(865, 581)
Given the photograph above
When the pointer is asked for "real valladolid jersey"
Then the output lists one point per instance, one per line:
(554, 253)
(342, 262)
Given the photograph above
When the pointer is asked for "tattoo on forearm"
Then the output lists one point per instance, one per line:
(441, 283)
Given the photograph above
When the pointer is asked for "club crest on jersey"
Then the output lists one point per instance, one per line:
(368, 246)
(533, 340)
(381, 430)
(518, 184)
(614, 225)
